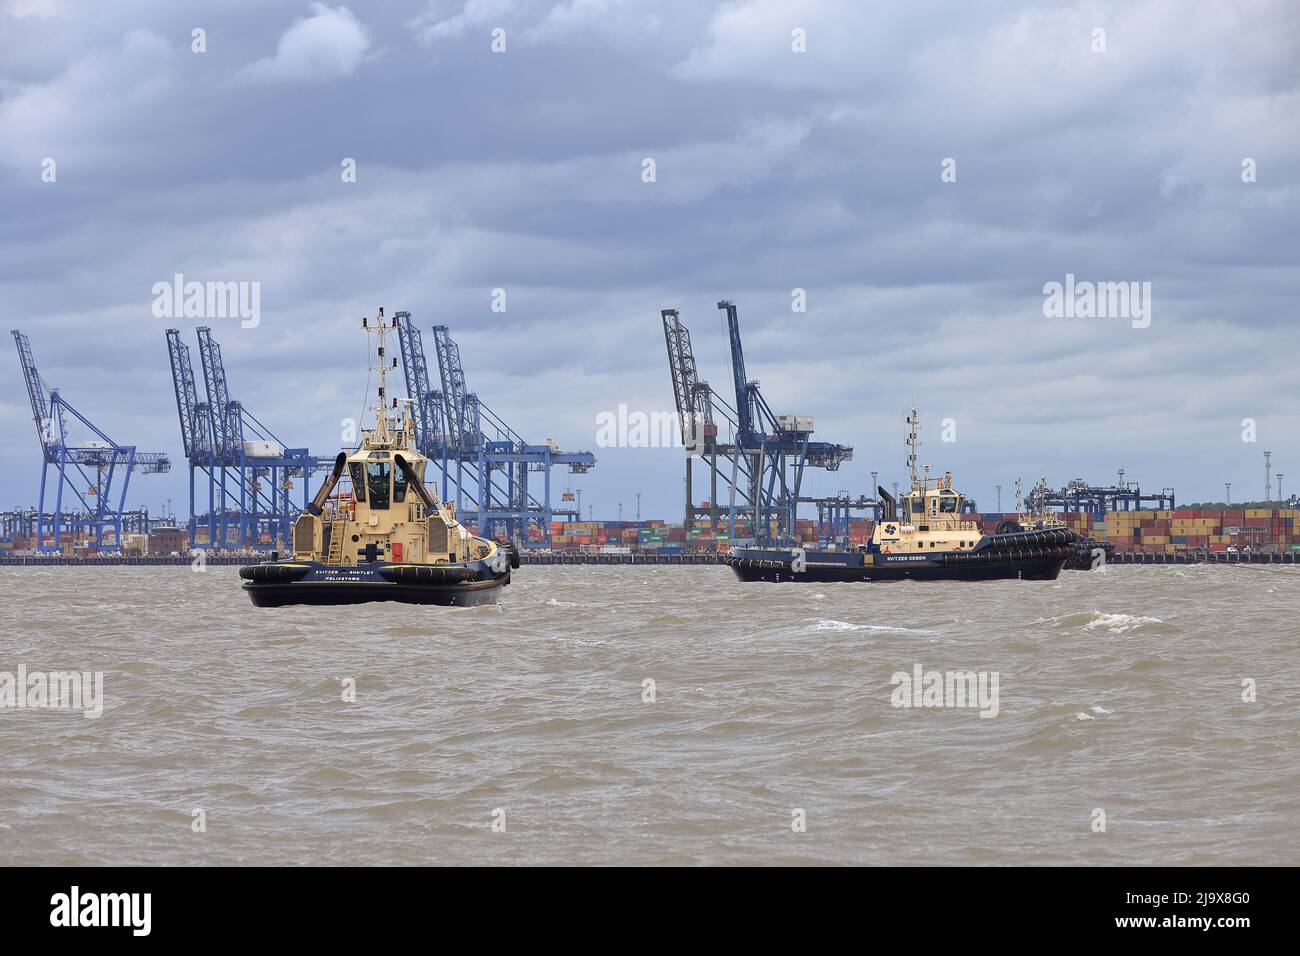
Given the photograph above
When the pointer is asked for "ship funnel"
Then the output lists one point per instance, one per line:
(890, 511)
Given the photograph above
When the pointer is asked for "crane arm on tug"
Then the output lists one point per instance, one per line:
(318, 503)
(413, 481)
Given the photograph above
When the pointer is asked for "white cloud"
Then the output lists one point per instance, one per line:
(434, 25)
(615, 18)
(86, 114)
(330, 43)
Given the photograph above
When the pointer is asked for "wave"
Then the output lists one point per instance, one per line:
(1119, 623)
(829, 624)
(1114, 622)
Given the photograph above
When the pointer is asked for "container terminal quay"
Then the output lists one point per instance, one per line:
(1143, 537)
(247, 486)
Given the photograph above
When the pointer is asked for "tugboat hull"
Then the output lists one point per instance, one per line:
(1030, 556)
(280, 584)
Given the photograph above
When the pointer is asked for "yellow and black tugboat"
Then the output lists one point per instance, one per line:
(922, 536)
(388, 538)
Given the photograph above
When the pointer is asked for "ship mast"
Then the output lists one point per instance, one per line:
(379, 330)
(913, 442)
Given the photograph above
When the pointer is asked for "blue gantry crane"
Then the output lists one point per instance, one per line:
(86, 467)
(768, 453)
(779, 447)
(1078, 495)
(696, 410)
(485, 464)
(426, 401)
(248, 471)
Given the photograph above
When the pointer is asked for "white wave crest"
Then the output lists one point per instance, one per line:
(1119, 623)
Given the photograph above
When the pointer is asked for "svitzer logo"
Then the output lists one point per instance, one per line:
(102, 909)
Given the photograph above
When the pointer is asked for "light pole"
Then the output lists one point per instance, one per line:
(1281, 498)
(638, 506)
(999, 499)
(620, 511)
(875, 495)
(1227, 493)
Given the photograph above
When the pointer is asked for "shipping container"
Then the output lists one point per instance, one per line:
(263, 449)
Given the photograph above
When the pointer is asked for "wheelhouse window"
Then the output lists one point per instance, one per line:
(399, 486)
(357, 472)
(377, 473)
(948, 503)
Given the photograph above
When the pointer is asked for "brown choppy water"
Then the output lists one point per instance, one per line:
(1118, 690)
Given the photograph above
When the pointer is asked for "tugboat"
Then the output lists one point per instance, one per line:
(388, 538)
(923, 536)
(1089, 553)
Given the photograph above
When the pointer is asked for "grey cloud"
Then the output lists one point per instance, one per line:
(775, 170)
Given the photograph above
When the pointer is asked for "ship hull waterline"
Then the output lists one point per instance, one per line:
(454, 586)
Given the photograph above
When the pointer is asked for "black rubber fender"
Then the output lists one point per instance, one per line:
(426, 574)
(274, 573)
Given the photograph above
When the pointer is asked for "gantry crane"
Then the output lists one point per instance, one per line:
(1078, 495)
(426, 410)
(485, 464)
(86, 467)
(248, 471)
(768, 454)
(695, 418)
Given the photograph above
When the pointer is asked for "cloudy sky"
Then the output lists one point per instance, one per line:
(776, 169)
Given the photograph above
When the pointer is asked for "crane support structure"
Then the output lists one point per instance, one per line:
(695, 407)
(768, 453)
(92, 469)
(248, 472)
(485, 466)
(1078, 495)
(427, 406)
